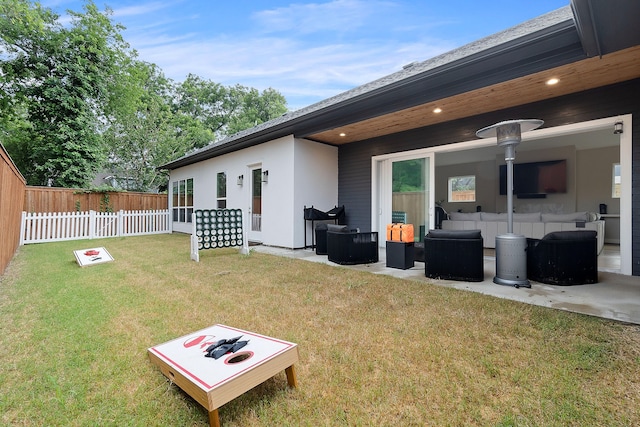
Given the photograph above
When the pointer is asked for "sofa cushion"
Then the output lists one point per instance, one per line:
(465, 216)
(490, 216)
(592, 216)
(337, 228)
(526, 217)
(570, 217)
(454, 234)
(571, 235)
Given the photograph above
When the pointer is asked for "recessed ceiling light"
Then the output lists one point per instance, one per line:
(437, 110)
(343, 134)
(552, 81)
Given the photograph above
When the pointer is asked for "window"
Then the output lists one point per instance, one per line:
(616, 181)
(462, 188)
(221, 189)
(182, 196)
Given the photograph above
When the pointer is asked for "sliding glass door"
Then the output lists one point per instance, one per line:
(403, 193)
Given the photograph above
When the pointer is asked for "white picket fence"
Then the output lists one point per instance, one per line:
(54, 227)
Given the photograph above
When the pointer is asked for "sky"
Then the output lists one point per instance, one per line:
(306, 50)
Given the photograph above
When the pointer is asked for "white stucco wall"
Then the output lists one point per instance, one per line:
(316, 177)
(301, 173)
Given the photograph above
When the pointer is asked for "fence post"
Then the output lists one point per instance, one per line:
(120, 231)
(23, 223)
(169, 221)
(92, 224)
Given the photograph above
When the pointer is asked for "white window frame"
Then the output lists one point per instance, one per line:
(221, 200)
(450, 181)
(182, 200)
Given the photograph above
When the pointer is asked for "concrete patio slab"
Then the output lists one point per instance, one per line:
(615, 296)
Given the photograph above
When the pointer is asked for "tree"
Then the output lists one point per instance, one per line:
(204, 101)
(143, 133)
(408, 175)
(75, 100)
(56, 81)
(226, 110)
(256, 108)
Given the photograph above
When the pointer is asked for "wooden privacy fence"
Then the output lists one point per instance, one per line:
(58, 226)
(12, 186)
(409, 207)
(53, 199)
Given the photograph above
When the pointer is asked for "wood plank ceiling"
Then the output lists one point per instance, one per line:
(576, 77)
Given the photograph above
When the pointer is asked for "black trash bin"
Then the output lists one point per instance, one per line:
(321, 239)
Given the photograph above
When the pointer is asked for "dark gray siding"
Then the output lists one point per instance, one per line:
(354, 160)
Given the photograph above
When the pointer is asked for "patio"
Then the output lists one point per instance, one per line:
(615, 296)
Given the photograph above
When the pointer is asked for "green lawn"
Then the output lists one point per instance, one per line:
(374, 350)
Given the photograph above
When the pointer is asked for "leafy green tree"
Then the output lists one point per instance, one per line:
(205, 101)
(56, 81)
(408, 175)
(75, 100)
(143, 132)
(226, 110)
(256, 108)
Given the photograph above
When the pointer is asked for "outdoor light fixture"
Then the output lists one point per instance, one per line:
(617, 128)
(511, 256)
(265, 176)
(240, 179)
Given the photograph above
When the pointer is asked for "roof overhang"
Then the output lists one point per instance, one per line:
(574, 77)
(606, 26)
(504, 70)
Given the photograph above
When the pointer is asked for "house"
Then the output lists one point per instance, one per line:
(343, 150)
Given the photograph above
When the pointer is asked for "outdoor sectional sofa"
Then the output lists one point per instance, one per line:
(532, 225)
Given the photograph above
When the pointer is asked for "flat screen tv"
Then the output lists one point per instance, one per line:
(536, 179)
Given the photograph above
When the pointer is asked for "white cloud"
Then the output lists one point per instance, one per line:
(294, 69)
(336, 15)
(142, 9)
(308, 52)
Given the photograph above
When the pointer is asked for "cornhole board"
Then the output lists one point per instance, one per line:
(211, 382)
(92, 256)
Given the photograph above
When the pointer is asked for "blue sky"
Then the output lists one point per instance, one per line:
(306, 50)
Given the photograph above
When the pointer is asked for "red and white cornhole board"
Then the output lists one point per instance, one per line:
(92, 256)
(211, 382)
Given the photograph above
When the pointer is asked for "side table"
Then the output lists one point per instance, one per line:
(400, 254)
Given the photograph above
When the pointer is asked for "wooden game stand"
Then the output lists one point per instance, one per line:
(212, 383)
(214, 418)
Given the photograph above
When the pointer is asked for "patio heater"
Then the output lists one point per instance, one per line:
(511, 256)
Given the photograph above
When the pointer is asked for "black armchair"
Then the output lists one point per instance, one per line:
(321, 235)
(321, 238)
(564, 258)
(351, 247)
(454, 255)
